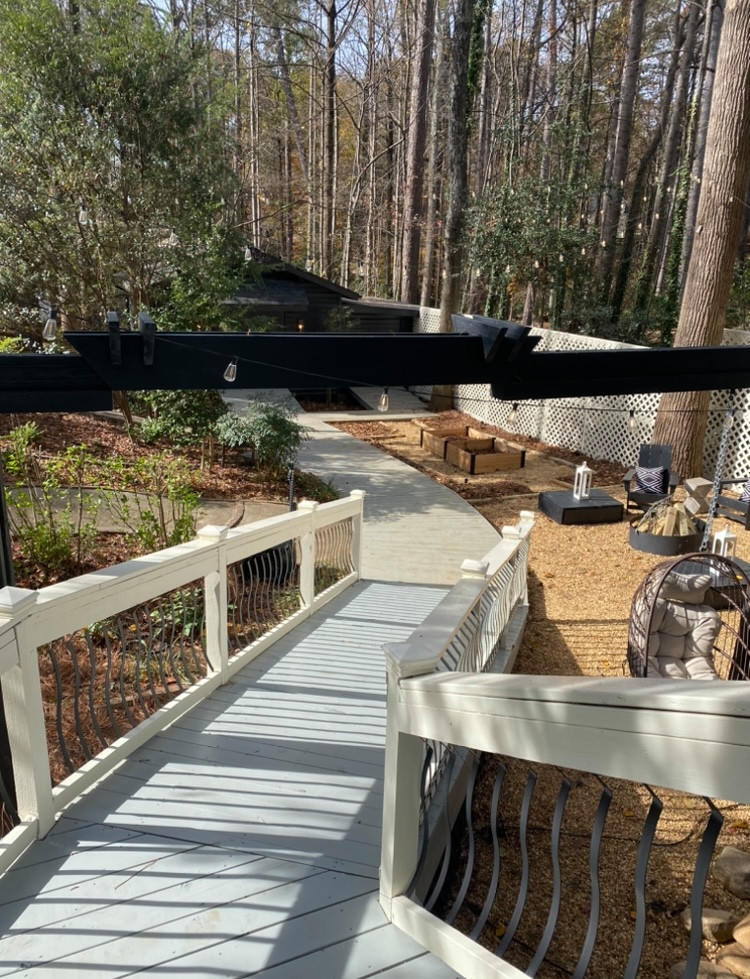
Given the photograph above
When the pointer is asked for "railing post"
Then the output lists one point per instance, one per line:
(404, 755)
(307, 555)
(215, 592)
(357, 527)
(24, 714)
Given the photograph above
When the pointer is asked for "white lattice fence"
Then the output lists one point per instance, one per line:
(597, 427)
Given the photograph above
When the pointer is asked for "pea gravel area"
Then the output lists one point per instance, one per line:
(581, 583)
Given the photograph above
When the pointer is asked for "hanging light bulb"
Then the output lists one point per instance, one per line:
(230, 374)
(631, 420)
(83, 216)
(513, 414)
(173, 239)
(50, 327)
(383, 402)
(248, 253)
(731, 417)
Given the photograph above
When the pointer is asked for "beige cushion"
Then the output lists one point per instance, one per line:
(691, 588)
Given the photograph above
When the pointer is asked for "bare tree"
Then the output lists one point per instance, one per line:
(681, 419)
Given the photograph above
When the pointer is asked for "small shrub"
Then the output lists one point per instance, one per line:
(270, 429)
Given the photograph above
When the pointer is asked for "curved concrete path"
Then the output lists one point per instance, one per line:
(415, 529)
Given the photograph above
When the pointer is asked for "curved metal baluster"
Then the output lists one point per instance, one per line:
(461, 896)
(123, 665)
(554, 910)
(143, 665)
(425, 828)
(523, 889)
(158, 642)
(76, 706)
(92, 691)
(437, 888)
(594, 850)
(109, 683)
(59, 702)
(492, 891)
(700, 875)
(641, 866)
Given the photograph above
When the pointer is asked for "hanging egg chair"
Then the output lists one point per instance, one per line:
(690, 619)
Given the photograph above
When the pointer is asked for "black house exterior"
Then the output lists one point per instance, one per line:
(299, 300)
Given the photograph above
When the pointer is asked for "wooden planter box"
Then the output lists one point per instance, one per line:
(435, 440)
(482, 455)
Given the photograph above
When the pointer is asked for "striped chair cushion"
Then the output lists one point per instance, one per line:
(745, 494)
(650, 479)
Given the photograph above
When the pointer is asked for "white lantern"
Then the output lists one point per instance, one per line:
(724, 542)
(582, 482)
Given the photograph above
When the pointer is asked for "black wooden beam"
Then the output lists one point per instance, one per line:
(186, 361)
(51, 382)
(613, 372)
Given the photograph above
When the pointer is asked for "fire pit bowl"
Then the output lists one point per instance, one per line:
(665, 529)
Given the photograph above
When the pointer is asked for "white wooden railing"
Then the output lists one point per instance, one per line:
(476, 628)
(31, 619)
(689, 736)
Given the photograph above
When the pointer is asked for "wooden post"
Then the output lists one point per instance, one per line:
(404, 754)
(215, 590)
(357, 527)
(23, 706)
(307, 555)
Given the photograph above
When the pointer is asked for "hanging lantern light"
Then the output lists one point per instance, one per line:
(230, 374)
(582, 482)
(383, 403)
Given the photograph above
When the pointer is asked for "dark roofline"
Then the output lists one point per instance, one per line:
(278, 264)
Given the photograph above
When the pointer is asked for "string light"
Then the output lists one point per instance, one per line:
(248, 253)
(50, 327)
(173, 239)
(731, 417)
(383, 403)
(631, 420)
(230, 374)
(83, 216)
(513, 414)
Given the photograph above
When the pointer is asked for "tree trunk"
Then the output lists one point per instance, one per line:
(413, 209)
(457, 154)
(712, 34)
(621, 151)
(681, 419)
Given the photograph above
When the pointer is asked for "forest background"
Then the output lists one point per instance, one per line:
(535, 160)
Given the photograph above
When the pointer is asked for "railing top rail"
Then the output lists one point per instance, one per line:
(693, 736)
(423, 650)
(716, 698)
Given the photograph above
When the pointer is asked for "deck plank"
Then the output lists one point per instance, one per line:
(245, 838)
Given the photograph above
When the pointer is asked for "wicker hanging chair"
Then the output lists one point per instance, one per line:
(690, 617)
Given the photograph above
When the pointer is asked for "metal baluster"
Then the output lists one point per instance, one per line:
(700, 875)
(468, 802)
(523, 889)
(594, 852)
(641, 866)
(492, 891)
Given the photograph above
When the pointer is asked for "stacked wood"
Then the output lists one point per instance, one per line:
(667, 520)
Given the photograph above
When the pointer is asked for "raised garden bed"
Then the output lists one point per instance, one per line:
(470, 449)
(483, 455)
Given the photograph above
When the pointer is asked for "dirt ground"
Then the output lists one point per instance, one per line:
(581, 583)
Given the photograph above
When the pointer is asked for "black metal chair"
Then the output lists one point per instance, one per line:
(731, 507)
(650, 457)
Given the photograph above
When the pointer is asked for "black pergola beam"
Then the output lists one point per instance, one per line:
(583, 373)
(51, 382)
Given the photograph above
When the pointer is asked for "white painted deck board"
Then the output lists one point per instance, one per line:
(243, 840)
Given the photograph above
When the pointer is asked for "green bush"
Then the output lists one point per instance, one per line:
(153, 500)
(269, 429)
(53, 515)
(182, 417)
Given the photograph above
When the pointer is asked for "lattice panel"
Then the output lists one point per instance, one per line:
(597, 427)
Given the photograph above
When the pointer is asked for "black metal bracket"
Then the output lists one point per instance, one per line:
(113, 327)
(147, 329)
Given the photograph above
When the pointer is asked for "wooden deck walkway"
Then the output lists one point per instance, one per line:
(245, 839)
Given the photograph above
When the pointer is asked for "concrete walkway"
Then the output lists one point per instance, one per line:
(415, 529)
